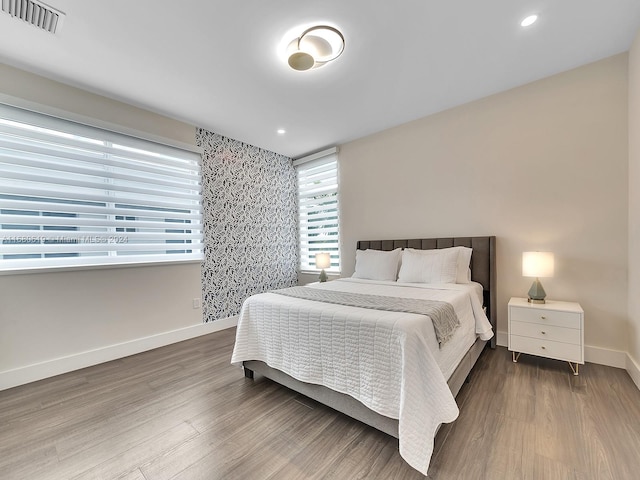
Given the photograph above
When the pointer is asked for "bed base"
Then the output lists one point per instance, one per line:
(349, 405)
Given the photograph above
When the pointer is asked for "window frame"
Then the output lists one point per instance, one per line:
(305, 168)
(153, 146)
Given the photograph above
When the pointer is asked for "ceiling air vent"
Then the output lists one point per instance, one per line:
(34, 12)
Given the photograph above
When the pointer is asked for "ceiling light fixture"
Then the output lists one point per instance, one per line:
(281, 131)
(315, 47)
(530, 20)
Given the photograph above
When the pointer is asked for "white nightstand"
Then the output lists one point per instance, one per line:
(552, 330)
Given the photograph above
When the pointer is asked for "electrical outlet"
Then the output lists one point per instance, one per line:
(196, 303)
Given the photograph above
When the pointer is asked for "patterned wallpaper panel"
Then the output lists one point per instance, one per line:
(250, 223)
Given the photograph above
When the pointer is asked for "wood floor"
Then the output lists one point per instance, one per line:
(182, 412)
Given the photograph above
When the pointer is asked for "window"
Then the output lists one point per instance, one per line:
(318, 208)
(72, 194)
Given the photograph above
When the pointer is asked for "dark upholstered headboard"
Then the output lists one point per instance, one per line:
(483, 263)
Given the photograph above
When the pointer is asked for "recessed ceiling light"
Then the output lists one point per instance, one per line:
(530, 20)
(281, 131)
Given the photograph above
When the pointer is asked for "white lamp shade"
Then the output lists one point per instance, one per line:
(323, 260)
(537, 264)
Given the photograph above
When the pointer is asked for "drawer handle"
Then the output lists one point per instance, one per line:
(543, 332)
(543, 317)
(543, 347)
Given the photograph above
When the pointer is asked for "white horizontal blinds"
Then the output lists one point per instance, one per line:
(318, 209)
(72, 194)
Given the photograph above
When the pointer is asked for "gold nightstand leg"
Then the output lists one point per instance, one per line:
(515, 356)
(574, 370)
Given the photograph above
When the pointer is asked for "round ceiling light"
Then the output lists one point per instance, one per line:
(301, 61)
(315, 47)
(530, 20)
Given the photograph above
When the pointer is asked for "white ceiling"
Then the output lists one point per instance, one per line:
(216, 64)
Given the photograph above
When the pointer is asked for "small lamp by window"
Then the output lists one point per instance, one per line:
(537, 264)
(323, 260)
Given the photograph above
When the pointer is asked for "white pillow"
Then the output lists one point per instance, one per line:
(377, 264)
(463, 274)
(429, 266)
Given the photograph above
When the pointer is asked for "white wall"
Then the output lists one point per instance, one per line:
(634, 210)
(49, 321)
(543, 167)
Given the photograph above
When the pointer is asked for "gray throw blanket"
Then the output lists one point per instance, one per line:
(442, 315)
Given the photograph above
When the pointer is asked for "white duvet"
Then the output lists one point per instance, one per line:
(389, 361)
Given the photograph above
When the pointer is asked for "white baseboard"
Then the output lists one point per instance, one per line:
(605, 356)
(634, 370)
(502, 339)
(57, 366)
(601, 356)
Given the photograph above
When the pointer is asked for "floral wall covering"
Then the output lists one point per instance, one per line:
(250, 223)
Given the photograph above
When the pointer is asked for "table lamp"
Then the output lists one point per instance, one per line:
(537, 264)
(323, 260)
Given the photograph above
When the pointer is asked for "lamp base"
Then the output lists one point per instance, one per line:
(535, 300)
(323, 276)
(536, 292)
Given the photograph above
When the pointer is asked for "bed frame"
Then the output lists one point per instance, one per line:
(483, 271)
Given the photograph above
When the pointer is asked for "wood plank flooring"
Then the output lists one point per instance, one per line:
(182, 412)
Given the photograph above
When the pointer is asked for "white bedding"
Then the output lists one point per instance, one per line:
(389, 361)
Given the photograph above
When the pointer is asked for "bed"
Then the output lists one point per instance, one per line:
(386, 368)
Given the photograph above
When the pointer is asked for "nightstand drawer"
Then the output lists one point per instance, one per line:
(546, 332)
(545, 317)
(547, 348)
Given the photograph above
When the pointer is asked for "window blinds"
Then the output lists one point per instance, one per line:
(72, 194)
(318, 208)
